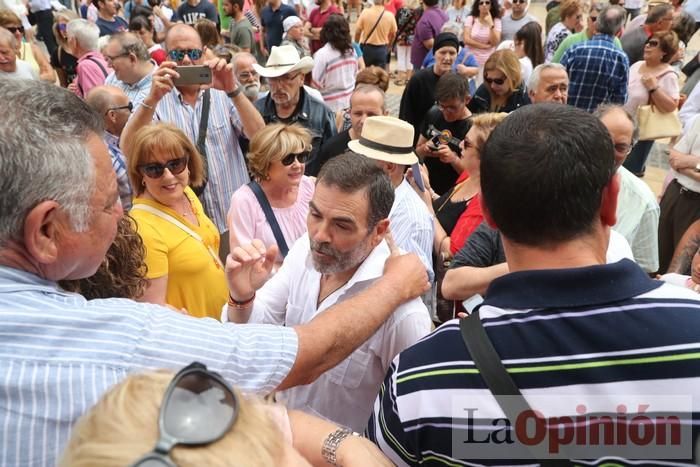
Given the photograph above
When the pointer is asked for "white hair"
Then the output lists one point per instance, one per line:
(534, 80)
(453, 27)
(86, 33)
(43, 154)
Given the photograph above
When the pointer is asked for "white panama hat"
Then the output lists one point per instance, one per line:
(386, 139)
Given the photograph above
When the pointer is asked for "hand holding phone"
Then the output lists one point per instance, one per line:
(191, 75)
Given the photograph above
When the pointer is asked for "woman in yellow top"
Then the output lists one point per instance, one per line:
(29, 52)
(181, 242)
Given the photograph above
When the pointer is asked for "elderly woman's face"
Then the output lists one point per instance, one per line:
(8, 58)
(165, 176)
(16, 29)
(287, 172)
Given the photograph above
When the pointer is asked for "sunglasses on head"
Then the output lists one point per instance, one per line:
(498, 81)
(198, 408)
(302, 157)
(14, 29)
(156, 170)
(178, 55)
(652, 43)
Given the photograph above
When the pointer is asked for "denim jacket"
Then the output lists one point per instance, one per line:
(310, 113)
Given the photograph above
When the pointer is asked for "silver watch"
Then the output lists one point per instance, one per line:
(331, 443)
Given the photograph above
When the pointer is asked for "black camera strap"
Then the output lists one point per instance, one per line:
(202, 140)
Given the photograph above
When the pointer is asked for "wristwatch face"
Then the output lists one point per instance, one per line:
(697, 167)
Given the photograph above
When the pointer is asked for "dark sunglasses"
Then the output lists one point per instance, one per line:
(484, 3)
(652, 43)
(198, 408)
(14, 29)
(468, 144)
(498, 81)
(156, 170)
(302, 157)
(178, 55)
(519, 1)
(129, 107)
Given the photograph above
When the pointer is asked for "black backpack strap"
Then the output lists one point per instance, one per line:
(270, 216)
(202, 139)
(494, 373)
(371, 31)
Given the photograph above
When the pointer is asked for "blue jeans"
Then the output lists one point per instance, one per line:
(637, 159)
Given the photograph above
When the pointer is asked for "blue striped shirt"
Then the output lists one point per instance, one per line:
(598, 73)
(600, 330)
(227, 168)
(136, 92)
(60, 352)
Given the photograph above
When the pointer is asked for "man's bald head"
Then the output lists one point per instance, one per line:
(243, 60)
(181, 32)
(112, 104)
(101, 98)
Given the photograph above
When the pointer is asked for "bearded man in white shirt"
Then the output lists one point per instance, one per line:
(343, 254)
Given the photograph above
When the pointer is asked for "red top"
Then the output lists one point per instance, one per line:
(393, 6)
(467, 222)
(317, 18)
(159, 56)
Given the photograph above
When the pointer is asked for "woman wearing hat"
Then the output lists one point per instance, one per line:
(294, 35)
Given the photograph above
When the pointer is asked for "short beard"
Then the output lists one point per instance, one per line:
(340, 262)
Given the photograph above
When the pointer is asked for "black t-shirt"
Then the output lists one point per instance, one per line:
(484, 248)
(64, 61)
(335, 146)
(443, 176)
(418, 97)
(448, 212)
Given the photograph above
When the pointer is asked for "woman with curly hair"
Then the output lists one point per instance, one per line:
(122, 273)
(482, 29)
(335, 64)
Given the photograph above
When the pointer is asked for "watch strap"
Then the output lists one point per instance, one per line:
(235, 92)
(331, 443)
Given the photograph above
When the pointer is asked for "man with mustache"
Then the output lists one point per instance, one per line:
(289, 101)
(343, 254)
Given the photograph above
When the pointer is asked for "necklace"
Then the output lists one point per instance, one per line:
(322, 298)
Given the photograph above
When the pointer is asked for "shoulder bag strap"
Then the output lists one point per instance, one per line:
(494, 373)
(270, 216)
(102, 69)
(165, 216)
(371, 31)
(202, 139)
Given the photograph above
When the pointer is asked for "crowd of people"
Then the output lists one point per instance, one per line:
(267, 268)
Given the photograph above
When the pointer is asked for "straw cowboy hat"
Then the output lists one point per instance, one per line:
(282, 60)
(386, 139)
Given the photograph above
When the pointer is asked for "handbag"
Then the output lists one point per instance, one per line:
(654, 124)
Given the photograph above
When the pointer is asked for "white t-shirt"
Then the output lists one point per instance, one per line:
(24, 71)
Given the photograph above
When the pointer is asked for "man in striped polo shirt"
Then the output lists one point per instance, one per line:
(568, 328)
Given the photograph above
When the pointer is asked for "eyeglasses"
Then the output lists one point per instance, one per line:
(519, 1)
(156, 170)
(129, 107)
(198, 408)
(622, 148)
(652, 43)
(449, 108)
(498, 81)
(283, 78)
(246, 75)
(178, 55)
(302, 157)
(14, 29)
(111, 59)
(484, 3)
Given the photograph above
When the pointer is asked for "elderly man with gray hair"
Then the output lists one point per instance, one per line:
(10, 65)
(60, 352)
(132, 64)
(92, 68)
(548, 82)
